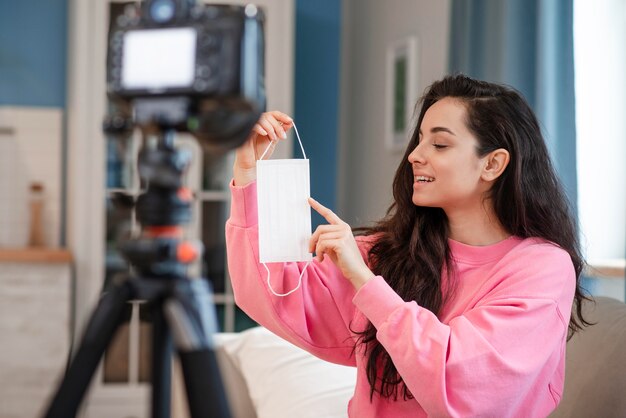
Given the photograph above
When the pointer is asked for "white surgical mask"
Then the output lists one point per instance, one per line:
(283, 190)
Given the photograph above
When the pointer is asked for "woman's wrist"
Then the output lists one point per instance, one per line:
(359, 280)
(243, 177)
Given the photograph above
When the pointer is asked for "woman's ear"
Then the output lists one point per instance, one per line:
(495, 163)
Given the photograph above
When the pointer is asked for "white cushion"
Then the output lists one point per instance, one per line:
(286, 381)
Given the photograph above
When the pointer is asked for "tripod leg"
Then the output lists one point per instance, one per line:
(191, 316)
(104, 321)
(161, 365)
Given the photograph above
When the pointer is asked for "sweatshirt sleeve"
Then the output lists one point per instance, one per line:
(490, 359)
(316, 317)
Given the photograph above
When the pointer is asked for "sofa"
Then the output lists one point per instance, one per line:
(267, 377)
(595, 371)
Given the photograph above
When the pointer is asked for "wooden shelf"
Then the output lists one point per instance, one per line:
(35, 255)
(607, 268)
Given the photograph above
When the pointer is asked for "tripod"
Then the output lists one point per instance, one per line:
(181, 307)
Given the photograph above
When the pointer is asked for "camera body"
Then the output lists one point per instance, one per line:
(189, 67)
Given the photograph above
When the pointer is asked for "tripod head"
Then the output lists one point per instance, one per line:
(162, 210)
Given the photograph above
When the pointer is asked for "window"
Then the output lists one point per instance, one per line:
(600, 65)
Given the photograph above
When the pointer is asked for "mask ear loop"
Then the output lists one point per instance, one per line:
(274, 141)
(269, 285)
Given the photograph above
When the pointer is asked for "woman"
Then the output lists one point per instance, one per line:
(458, 302)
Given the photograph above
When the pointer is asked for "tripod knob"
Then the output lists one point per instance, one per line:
(117, 124)
(188, 251)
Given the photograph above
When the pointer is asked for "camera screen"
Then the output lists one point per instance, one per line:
(158, 59)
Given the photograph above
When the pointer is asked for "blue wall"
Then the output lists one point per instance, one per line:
(33, 51)
(33, 55)
(318, 40)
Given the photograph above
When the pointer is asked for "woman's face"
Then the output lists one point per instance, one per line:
(446, 168)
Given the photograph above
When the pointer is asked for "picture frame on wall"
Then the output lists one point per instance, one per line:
(401, 91)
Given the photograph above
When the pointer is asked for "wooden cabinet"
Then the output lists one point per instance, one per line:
(35, 319)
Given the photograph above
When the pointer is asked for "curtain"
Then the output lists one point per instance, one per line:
(527, 44)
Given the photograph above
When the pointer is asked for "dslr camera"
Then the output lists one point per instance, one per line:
(189, 67)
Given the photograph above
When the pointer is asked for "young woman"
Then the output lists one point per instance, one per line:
(458, 302)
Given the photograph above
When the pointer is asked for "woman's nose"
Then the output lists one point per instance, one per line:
(416, 156)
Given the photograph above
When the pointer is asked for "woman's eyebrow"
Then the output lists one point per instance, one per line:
(441, 129)
(436, 129)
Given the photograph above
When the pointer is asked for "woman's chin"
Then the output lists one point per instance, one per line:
(422, 202)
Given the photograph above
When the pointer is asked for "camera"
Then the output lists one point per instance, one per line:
(189, 67)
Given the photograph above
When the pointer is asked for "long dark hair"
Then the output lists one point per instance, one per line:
(412, 248)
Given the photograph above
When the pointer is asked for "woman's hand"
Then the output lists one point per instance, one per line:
(271, 128)
(337, 242)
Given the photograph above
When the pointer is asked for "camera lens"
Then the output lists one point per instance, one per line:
(162, 11)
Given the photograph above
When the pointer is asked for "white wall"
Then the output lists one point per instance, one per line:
(366, 168)
(30, 152)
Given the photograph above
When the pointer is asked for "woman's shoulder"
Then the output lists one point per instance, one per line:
(537, 268)
(541, 257)
(534, 252)
(539, 247)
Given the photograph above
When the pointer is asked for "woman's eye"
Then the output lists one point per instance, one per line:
(439, 146)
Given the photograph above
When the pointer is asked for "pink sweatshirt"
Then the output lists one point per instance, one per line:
(496, 350)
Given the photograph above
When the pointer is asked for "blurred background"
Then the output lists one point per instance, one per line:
(349, 72)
